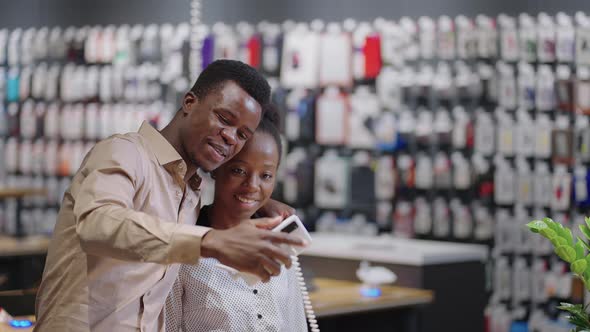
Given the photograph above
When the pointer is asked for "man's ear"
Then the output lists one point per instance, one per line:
(189, 100)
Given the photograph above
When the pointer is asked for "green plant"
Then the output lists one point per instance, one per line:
(573, 252)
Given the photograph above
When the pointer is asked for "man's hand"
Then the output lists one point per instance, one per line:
(251, 247)
(275, 208)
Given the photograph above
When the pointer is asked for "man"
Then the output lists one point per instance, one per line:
(129, 214)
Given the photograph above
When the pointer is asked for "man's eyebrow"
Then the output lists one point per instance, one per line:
(228, 111)
(250, 130)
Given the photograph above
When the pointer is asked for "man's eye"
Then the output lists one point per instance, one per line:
(223, 119)
(243, 136)
(267, 176)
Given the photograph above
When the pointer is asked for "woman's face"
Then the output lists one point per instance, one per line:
(245, 183)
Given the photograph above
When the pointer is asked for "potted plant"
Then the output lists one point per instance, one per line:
(573, 252)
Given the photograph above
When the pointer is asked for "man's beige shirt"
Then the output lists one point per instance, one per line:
(125, 224)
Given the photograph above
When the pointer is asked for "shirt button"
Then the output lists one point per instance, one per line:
(259, 316)
(178, 194)
(256, 291)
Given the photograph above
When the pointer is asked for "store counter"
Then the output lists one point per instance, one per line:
(335, 299)
(340, 306)
(455, 272)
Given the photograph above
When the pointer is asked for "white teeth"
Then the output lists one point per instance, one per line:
(245, 200)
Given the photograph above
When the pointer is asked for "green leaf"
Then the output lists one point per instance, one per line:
(586, 276)
(559, 241)
(584, 243)
(579, 247)
(566, 253)
(551, 224)
(579, 267)
(585, 230)
(587, 220)
(548, 233)
(536, 225)
(578, 317)
(566, 233)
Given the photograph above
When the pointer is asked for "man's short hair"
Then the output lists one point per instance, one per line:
(220, 71)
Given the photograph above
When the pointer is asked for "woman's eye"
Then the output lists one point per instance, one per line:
(238, 171)
(243, 136)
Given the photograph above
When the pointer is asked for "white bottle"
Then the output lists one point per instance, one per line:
(25, 83)
(446, 38)
(542, 185)
(3, 44)
(505, 133)
(91, 124)
(331, 184)
(427, 37)
(524, 185)
(506, 86)
(562, 187)
(26, 157)
(509, 46)
(487, 37)
(41, 44)
(51, 150)
(424, 172)
(543, 129)
(504, 182)
(528, 38)
(38, 157)
(65, 125)
(546, 38)
(52, 122)
(28, 120)
(385, 178)
(52, 83)
(484, 139)
(11, 155)
(545, 100)
(39, 81)
(565, 35)
(526, 85)
(461, 171)
(524, 134)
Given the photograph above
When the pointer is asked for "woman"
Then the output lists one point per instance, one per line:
(205, 297)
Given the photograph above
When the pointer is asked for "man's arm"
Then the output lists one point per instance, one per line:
(275, 208)
(107, 225)
(106, 222)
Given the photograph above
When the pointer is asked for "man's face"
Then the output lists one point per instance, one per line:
(217, 126)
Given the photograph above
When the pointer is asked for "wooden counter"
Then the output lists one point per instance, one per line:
(336, 297)
(21, 192)
(11, 246)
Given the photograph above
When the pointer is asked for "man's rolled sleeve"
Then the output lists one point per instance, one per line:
(185, 246)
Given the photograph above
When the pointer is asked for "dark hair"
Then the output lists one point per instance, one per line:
(270, 123)
(220, 71)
